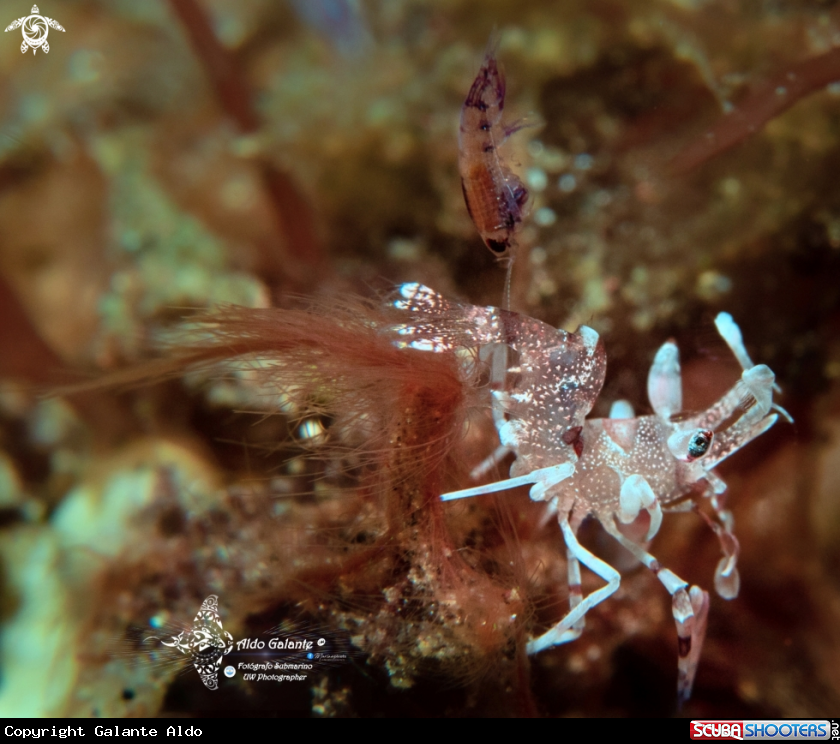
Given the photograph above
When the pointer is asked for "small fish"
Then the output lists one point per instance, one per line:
(494, 195)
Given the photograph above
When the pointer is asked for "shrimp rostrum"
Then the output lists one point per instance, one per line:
(612, 468)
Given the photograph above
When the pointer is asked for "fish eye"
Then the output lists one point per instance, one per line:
(699, 443)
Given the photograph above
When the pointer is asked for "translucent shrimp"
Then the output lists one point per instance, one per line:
(495, 196)
(626, 465)
(614, 468)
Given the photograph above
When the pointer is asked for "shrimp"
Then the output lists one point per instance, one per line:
(494, 195)
(614, 468)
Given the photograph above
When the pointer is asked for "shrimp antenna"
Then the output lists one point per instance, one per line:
(508, 276)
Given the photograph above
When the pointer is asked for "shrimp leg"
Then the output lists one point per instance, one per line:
(571, 626)
(690, 610)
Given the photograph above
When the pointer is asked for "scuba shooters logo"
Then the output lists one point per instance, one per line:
(755, 730)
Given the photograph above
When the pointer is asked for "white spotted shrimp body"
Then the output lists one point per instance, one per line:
(614, 468)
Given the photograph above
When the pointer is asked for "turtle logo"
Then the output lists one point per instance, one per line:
(206, 642)
(35, 29)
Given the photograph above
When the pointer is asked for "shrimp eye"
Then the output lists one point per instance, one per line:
(699, 444)
(497, 246)
(690, 445)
